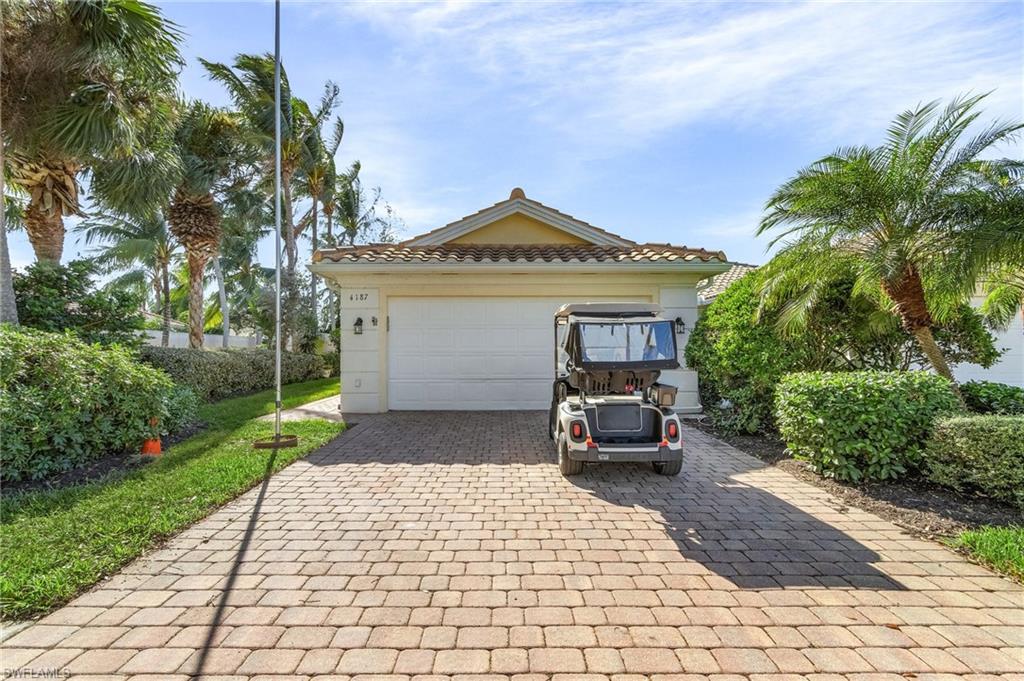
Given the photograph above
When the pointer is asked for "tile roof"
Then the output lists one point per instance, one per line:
(455, 253)
(710, 288)
(520, 196)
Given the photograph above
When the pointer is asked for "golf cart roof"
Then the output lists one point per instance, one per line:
(613, 310)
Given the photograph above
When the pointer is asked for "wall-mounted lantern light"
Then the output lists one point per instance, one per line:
(358, 328)
(680, 325)
(373, 322)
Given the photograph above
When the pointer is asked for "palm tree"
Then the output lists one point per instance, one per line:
(141, 249)
(245, 279)
(85, 86)
(210, 149)
(357, 209)
(328, 204)
(319, 173)
(911, 219)
(250, 84)
(244, 222)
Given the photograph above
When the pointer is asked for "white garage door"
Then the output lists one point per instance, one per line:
(471, 353)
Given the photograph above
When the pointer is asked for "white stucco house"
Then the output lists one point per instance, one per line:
(461, 317)
(1010, 367)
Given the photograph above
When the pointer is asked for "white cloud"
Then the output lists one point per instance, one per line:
(619, 75)
(391, 160)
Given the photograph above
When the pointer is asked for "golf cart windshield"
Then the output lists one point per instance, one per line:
(607, 343)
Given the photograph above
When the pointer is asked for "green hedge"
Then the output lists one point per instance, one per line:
(860, 424)
(979, 453)
(218, 374)
(64, 403)
(331, 363)
(182, 409)
(738, 360)
(988, 397)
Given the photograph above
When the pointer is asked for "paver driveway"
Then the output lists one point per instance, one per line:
(448, 544)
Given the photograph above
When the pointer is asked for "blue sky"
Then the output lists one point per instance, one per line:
(666, 122)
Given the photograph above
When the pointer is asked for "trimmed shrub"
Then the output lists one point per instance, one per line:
(740, 354)
(861, 424)
(58, 298)
(64, 403)
(182, 409)
(217, 374)
(983, 454)
(331, 365)
(739, 361)
(989, 397)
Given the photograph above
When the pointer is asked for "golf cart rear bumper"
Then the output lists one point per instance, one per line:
(626, 454)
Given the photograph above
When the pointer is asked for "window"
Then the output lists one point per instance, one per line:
(627, 342)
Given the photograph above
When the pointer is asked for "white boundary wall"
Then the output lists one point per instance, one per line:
(213, 341)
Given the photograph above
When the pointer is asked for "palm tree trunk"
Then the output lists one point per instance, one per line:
(222, 296)
(291, 251)
(931, 350)
(45, 232)
(165, 273)
(8, 308)
(196, 266)
(155, 283)
(330, 293)
(907, 294)
(312, 277)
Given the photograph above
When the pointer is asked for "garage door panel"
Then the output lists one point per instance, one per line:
(434, 338)
(471, 353)
(534, 338)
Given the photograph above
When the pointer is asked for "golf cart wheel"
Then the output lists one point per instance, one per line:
(566, 465)
(668, 467)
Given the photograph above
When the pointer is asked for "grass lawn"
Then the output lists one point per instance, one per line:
(1000, 548)
(58, 543)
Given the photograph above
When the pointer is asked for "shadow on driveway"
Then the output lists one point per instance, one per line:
(734, 528)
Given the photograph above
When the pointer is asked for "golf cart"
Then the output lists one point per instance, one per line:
(607, 404)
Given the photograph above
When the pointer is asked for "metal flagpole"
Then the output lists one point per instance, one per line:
(278, 440)
(277, 219)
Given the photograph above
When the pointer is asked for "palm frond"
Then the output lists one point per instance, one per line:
(1004, 297)
(907, 126)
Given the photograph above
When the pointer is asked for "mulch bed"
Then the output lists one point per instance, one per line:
(109, 466)
(914, 504)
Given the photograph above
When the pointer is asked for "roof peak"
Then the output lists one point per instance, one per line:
(517, 193)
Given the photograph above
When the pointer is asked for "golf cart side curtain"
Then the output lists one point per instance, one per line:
(612, 345)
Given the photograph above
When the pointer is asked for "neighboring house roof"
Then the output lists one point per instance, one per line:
(154, 317)
(710, 288)
(494, 253)
(518, 203)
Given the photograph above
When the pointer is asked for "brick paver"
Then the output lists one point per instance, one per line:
(447, 545)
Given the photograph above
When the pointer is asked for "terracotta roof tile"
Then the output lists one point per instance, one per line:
(710, 288)
(453, 253)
